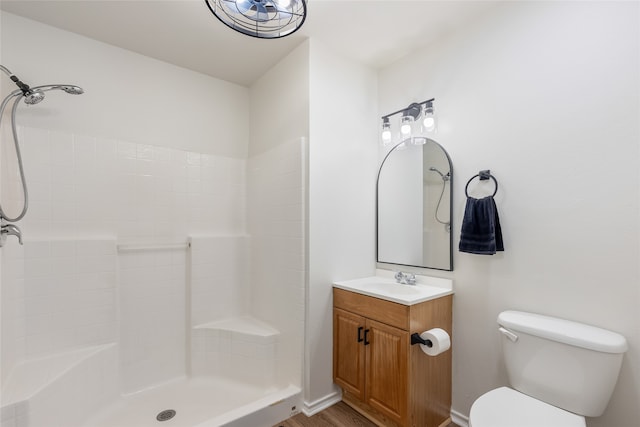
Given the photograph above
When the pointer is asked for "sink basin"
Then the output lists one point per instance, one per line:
(387, 289)
(393, 288)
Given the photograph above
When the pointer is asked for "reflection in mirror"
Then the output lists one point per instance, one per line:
(414, 207)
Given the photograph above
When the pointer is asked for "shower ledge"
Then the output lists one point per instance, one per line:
(32, 375)
(246, 327)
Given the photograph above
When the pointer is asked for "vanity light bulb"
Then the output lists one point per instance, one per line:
(386, 131)
(429, 121)
(405, 128)
(386, 135)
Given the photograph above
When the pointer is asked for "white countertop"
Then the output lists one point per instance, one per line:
(386, 288)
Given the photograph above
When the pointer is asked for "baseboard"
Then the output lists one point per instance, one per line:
(321, 404)
(459, 419)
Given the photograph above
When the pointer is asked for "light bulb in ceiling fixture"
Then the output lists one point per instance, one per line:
(386, 131)
(429, 120)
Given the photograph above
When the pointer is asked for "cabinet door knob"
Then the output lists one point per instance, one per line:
(366, 332)
(360, 334)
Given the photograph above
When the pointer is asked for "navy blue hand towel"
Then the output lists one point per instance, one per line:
(481, 232)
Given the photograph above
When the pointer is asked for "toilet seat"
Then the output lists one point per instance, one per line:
(505, 407)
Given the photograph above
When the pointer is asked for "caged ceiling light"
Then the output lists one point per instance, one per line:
(264, 19)
(411, 128)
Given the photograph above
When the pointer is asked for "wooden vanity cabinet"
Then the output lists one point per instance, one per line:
(381, 374)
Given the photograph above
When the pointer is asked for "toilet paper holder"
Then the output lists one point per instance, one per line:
(417, 339)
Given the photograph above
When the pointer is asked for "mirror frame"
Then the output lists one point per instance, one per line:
(451, 181)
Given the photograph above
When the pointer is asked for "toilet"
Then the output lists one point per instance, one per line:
(560, 372)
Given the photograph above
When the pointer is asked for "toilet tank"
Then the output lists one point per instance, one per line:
(567, 364)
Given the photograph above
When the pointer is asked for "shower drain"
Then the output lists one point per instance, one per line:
(166, 415)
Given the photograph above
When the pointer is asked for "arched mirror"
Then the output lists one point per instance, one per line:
(414, 192)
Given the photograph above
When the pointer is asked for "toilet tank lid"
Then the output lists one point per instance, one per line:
(564, 331)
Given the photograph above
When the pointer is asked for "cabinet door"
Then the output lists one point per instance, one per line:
(349, 352)
(387, 370)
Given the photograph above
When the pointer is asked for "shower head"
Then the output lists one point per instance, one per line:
(33, 98)
(36, 94)
(72, 90)
(435, 170)
(443, 176)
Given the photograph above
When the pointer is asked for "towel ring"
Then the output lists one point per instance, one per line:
(484, 175)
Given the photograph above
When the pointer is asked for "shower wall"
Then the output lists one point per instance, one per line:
(84, 188)
(152, 330)
(103, 169)
(277, 181)
(276, 212)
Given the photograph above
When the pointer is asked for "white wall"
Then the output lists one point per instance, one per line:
(280, 103)
(127, 96)
(276, 208)
(342, 171)
(545, 94)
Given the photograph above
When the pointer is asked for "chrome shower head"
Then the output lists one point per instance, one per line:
(36, 94)
(72, 90)
(33, 97)
(432, 169)
(443, 176)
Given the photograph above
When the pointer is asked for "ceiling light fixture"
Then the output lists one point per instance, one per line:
(408, 129)
(264, 19)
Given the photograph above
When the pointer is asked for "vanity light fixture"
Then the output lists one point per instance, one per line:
(411, 129)
(264, 19)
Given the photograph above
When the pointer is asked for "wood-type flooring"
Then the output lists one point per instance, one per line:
(338, 415)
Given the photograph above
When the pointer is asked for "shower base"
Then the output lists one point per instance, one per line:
(201, 402)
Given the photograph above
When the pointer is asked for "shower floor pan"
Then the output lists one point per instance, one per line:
(201, 402)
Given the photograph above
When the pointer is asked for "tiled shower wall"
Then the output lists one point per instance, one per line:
(82, 185)
(92, 189)
(84, 188)
(152, 303)
(57, 295)
(219, 278)
(276, 183)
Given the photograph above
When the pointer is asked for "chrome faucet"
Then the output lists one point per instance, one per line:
(405, 278)
(9, 230)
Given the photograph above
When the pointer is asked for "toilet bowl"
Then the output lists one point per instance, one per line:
(560, 372)
(505, 407)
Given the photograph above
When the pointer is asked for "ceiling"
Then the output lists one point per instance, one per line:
(185, 33)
